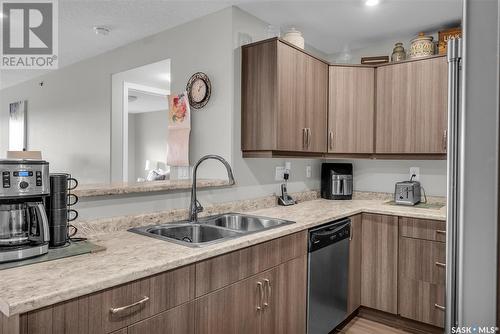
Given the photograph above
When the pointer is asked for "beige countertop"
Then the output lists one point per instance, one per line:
(130, 256)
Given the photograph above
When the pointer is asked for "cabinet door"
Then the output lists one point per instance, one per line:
(395, 119)
(429, 84)
(412, 107)
(287, 310)
(351, 109)
(230, 310)
(354, 285)
(176, 320)
(316, 104)
(379, 262)
(291, 99)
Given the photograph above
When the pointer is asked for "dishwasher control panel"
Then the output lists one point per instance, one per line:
(329, 233)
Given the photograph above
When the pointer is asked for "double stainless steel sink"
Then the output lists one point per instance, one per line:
(210, 230)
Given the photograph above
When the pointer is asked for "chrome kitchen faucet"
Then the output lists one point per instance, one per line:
(195, 206)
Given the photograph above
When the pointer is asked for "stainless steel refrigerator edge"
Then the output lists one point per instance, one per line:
(455, 116)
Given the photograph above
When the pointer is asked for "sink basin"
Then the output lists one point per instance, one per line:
(210, 230)
(244, 223)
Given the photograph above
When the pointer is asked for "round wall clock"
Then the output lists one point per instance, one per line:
(199, 89)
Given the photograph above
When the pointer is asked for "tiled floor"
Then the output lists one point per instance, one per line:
(364, 326)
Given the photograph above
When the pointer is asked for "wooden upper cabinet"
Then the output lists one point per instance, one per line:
(284, 99)
(351, 109)
(412, 107)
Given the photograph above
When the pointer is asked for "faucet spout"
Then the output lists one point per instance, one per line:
(195, 206)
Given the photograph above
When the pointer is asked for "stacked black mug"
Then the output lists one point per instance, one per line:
(58, 206)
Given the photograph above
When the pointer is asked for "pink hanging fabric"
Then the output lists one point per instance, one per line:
(179, 127)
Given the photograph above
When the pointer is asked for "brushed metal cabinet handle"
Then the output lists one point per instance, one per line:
(267, 283)
(445, 139)
(116, 310)
(331, 140)
(440, 264)
(261, 294)
(439, 307)
(304, 135)
(308, 138)
(440, 232)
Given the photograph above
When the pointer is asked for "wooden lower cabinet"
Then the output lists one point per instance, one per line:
(422, 277)
(270, 302)
(177, 320)
(379, 262)
(354, 281)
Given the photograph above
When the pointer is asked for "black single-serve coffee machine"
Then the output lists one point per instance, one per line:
(336, 181)
(24, 229)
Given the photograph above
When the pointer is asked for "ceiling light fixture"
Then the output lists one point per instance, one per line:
(101, 30)
(371, 3)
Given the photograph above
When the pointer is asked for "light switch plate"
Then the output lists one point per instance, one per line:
(279, 173)
(416, 171)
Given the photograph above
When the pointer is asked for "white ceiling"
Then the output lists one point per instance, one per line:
(327, 25)
(146, 103)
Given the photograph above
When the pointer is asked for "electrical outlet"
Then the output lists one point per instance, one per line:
(279, 173)
(308, 171)
(288, 165)
(416, 171)
(183, 173)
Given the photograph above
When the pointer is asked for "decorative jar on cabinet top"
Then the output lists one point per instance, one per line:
(398, 53)
(421, 46)
(293, 36)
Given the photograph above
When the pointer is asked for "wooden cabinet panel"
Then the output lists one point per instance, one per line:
(422, 229)
(354, 284)
(230, 310)
(418, 300)
(351, 109)
(178, 283)
(176, 320)
(291, 297)
(291, 98)
(422, 260)
(379, 262)
(10, 325)
(316, 104)
(259, 97)
(223, 270)
(412, 107)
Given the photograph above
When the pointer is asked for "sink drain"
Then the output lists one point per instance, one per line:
(187, 239)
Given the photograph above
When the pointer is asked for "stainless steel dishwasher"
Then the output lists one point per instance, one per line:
(328, 268)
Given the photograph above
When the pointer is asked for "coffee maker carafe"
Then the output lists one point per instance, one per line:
(24, 230)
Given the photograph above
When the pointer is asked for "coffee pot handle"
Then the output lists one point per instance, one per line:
(43, 224)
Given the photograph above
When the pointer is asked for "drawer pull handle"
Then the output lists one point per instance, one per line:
(261, 293)
(440, 232)
(269, 291)
(439, 307)
(440, 264)
(117, 310)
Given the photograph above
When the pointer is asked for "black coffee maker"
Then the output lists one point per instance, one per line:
(336, 181)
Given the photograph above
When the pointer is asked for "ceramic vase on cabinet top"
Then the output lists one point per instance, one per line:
(421, 46)
(398, 53)
(293, 36)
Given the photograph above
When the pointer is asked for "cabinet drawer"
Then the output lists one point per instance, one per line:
(434, 230)
(141, 299)
(176, 320)
(422, 260)
(226, 269)
(422, 301)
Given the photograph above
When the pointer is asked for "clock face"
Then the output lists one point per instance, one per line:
(199, 90)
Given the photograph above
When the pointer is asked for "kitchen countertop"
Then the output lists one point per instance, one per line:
(130, 256)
